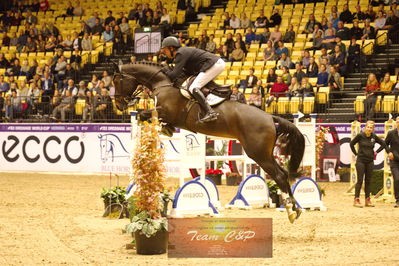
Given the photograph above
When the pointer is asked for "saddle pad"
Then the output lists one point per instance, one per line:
(211, 98)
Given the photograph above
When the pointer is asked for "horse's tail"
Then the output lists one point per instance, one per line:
(295, 144)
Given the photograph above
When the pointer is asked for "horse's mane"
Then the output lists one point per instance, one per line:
(148, 63)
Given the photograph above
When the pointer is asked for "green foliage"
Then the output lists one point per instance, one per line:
(113, 195)
(273, 188)
(143, 223)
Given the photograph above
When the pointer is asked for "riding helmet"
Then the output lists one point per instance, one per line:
(170, 41)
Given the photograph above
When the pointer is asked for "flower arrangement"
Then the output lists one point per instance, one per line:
(321, 133)
(233, 179)
(213, 172)
(149, 175)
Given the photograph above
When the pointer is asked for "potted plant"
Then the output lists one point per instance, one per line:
(147, 224)
(215, 175)
(274, 192)
(113, 199)
(233, 179)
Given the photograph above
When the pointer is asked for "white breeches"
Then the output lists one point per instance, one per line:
(204, 77)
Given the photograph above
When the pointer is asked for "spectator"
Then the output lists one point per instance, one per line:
(226, 21)
(119, 43)
(78, 10)
(17, 20)
(94, 82)
(237, 96)
(91, 22)
(353, 55)
(356, 31)
(201, 43)
(70, 73)
(125, 28)
(50, 44)
(3, 61)
(33, 96)
(224, 53)
(312, 70)
(317, 41)
(251, 79)
(133, 13)
(299, 74)
(279, 89)
(324, 23)
(271, 78)
(234, 22)
(269, 52)
(103, 106)
(59, 70)
(107, 79)
(322, 77)
(281, 49)
(237, 54)
(87, 44)
(359, 15)
(264, 37)
(53, 30)
(15, 68)
(70, 86)
(309, 27)
(329, 38)
(365, 160)
(261, 21)
(393, 144)
(156, 20)
(98, 28)
(284, 61)
(379, 21)
(110, 18)
(4, 86)
(40, 44)
(64, 107)
(294, 88)
(341, 45)
(82, 90)
(84, 28)
(368, 31)
(245, 22)
(242, 43)
(276, 35)
(47, 87)
(22, 39)
(305, 60)
(108, 34)
(346, 15)
(255, 98)
(24, 68)
(392, 24)
(30, 18)
(13, 105)
(250, 37)
(342, 31)
(76, 59)
(6, 39)
(44, 5)
(165, 18)
(338, 60)
(211, 44)
(275, 18)
(386, 84)
(230, 42)
(89, 107)
(13, 39)
(286, 75)
(306, 89)
(289, 36)
(394, 8)
(334, 81)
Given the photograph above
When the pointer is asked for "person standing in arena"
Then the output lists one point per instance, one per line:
(365, 160)
(392, 142)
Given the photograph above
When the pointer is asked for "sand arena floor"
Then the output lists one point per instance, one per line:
(56, 219)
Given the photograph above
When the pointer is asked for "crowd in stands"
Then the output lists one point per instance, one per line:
(338, 46)
(24, 80)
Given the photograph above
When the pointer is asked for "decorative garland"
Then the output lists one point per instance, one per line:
(321, 133)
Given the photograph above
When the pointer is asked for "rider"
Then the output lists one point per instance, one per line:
(194, 61)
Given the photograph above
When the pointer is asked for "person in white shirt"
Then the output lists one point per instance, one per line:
(234, 22)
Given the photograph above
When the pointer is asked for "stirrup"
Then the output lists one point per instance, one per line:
(209, 117)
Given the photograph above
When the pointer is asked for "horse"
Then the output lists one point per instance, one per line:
(256, 130)
(107, 146)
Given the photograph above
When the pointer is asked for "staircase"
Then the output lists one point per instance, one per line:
(342, 110)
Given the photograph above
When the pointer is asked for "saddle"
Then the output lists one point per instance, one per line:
(213, 92)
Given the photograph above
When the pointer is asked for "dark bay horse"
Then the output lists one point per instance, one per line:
(256, 130)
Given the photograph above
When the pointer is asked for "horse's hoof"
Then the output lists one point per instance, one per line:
(298, 212)
(292, 216)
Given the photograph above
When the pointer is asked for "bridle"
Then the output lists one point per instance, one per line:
(130, 98)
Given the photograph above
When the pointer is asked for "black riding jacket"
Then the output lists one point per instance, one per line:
(365, 152)
(192, 61)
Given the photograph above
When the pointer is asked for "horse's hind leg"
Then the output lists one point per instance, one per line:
(270, 166)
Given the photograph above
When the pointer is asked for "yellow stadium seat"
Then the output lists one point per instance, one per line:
(378, 104)
(79, 106)
(388, 104)
(283, 105)
(308, 105)
(323, 95)
(359, 107)
(294, 105)
(271, 108)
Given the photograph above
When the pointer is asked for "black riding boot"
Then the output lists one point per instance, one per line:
(210, 114)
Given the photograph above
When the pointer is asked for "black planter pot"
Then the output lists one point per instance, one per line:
(217, 179)
(233, 180)
(156, 244)
(275, 198)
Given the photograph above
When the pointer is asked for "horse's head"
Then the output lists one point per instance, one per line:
(127, 79)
